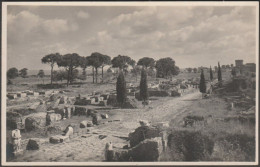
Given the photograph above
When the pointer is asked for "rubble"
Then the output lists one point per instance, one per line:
(11, 96)
(91, 112)
(83, 124)
(53, 130)
(68, 131)
(142, 133)
(52, 117)
(96, 119)
(147, 150)
(32, 123)
(33, 144)
(63, 100)
(21, 95)
(58, 139)
(80, 111)
(103, 103)
(104, 116)
(89, 124)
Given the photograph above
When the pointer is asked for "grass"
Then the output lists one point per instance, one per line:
(233, 137)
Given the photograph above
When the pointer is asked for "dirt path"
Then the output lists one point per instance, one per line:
(170, 109)
(87, 146)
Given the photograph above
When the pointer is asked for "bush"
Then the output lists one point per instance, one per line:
(239, 142)
(9, 82)
(13, 119)
(189, 146)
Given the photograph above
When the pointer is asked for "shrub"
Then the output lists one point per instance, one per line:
(242, 142)
(189, 146)
(121, 89)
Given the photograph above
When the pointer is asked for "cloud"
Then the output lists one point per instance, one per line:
(27, 23)
(82, 15)
(190, 35)
(56, 26)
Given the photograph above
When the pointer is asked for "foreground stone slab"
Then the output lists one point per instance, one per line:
(147, 150)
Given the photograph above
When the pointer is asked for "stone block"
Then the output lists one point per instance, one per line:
(11, 96)
(105, 96)
(58, 139)
(21, 95)
(52, 117)
(36, 94)
(80, 111)
(32, 123)
(142, 133)
(104, 116)
(68, 131)
(147, 150)
(83, 124)
(103, 103)
(33, 144)
(89, 124)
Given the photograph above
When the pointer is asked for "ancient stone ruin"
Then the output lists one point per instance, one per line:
(16, 142)
(147, 143)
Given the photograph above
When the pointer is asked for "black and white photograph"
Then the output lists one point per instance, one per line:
(129, 83)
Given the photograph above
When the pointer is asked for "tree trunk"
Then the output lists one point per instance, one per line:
(71, 75)
(68, 78)
(102, 73)
(96, 74)
(84, 73)
(93, 74)
(51, 73)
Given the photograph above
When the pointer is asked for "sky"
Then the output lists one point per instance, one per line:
(193, 36)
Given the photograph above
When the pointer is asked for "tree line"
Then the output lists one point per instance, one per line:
(165, 67)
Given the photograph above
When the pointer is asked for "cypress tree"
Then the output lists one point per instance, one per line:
(143, 86)
(202, 85)
(233, 72)
(211, 74)
(219, 73)
(121, 88)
